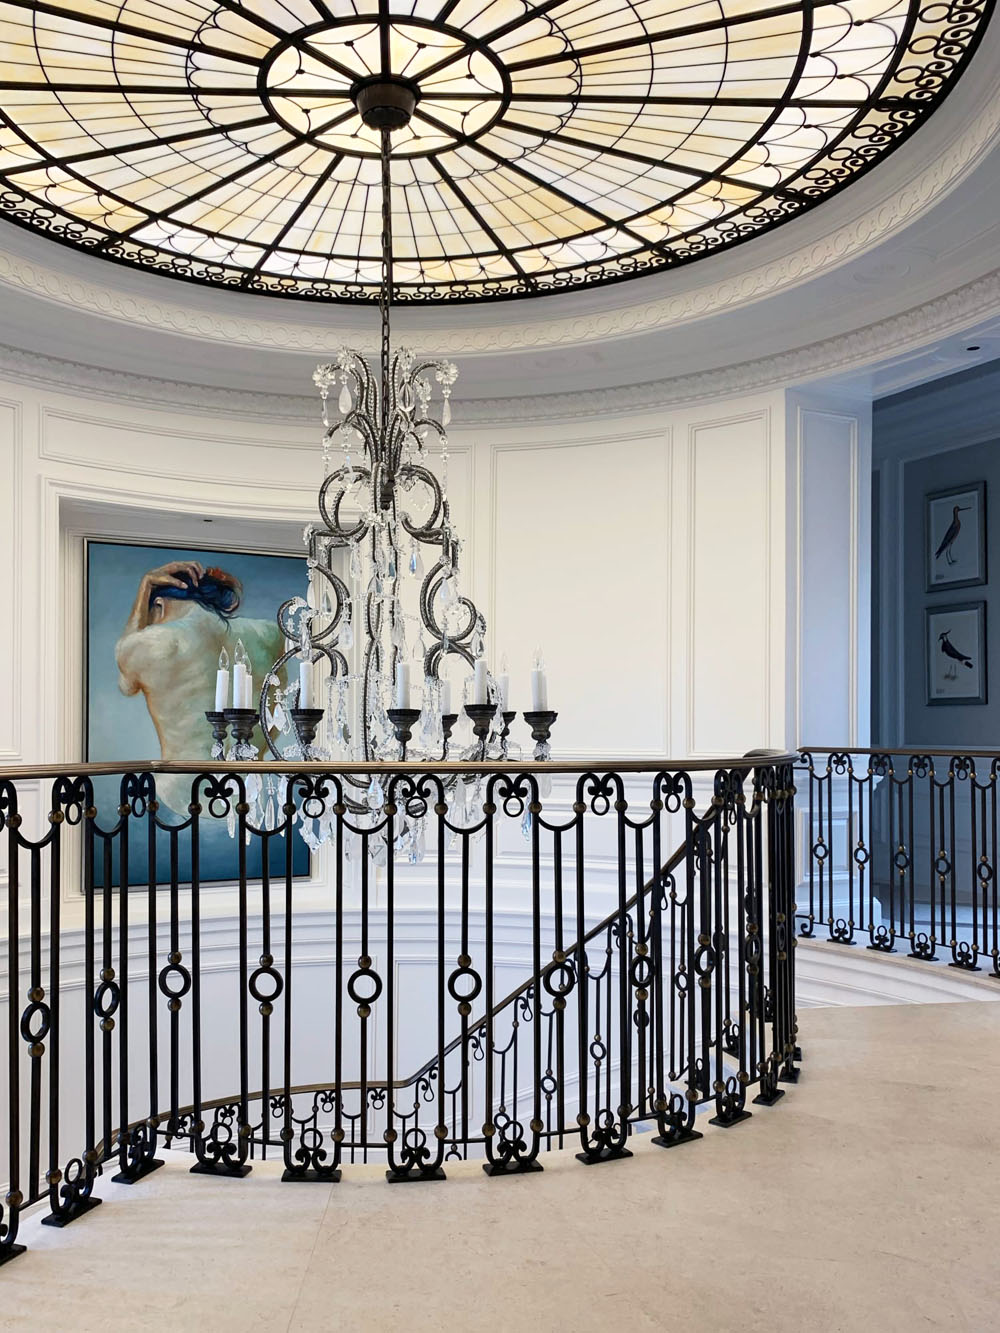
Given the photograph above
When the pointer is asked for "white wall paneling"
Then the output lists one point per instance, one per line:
(12, 504)
(830, 648)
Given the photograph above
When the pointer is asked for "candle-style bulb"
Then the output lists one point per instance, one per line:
(240, 655)
(538, 662)
(504, 666)
(223, 659)
(305, 643)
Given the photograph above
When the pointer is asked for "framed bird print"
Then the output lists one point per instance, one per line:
(955, 537)
(956, 653)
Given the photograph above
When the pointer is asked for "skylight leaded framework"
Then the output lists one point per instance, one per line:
(553, 145)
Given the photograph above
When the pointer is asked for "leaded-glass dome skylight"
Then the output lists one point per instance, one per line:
(552, 145)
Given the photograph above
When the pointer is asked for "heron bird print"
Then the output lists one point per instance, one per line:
(955, 537)
(951, 536)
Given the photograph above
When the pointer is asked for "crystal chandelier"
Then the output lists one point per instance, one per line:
(352, 641)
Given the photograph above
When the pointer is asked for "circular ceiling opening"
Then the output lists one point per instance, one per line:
(537, 147)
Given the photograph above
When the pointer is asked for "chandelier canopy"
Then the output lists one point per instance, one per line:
(538, 147)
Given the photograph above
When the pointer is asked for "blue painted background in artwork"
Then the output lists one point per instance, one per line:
(119, 727)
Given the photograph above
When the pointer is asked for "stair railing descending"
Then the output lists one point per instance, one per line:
(650, 985)
(900, 852)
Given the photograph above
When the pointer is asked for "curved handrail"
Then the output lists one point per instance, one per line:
(740, 763)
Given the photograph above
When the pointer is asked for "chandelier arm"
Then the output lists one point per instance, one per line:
(434, 654)
(460, 636)
(271, 681)
(343, 603)
(333, 521)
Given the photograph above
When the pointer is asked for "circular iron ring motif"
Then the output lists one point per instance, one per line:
(576, 145)
(364, 974)
(291, 79)
(179, 975)
(37, 1009)
(467, 974)
(265, 973)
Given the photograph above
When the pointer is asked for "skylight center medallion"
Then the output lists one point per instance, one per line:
(459, 85)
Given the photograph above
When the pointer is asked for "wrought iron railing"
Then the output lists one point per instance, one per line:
(646, 986)
(900, 852)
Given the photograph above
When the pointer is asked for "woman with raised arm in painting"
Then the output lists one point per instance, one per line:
(183, 616)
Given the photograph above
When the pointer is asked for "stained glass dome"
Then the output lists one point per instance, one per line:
(553, 145)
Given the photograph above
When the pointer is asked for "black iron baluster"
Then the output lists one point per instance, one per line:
(174, 982)
(220, 1152)
(70, 1188)
(10, 1213)
(729, 1089)
(136, 1143)
(490, 1128)
(763, 1056)
(994, 898)
(266, 997)
(784, 851)
(529, 1161)
(339, 810)
(638, 978)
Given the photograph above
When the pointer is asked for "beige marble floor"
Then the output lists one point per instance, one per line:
(868, 1199)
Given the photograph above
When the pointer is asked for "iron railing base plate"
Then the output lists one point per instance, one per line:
(662, 1142)
(395, 1179)
(150, 1165)
(589, 1159)
(312, 1177)
(495, 1169)
(11, 1252)
(769, 1098)
(727, 1121)
(237, 1172)
(78, 1210)
(789, 1076)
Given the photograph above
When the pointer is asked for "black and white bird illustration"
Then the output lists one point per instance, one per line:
(953, 654)
(949, 538)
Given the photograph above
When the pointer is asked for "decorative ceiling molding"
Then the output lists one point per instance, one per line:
(860, 349)
(828, 238)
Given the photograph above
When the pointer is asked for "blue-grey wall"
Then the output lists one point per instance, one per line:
(943, 434)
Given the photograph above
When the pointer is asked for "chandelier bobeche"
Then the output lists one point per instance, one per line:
(380, 501)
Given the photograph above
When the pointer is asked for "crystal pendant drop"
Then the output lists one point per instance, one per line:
(344, 401)
(346, 639)
(355, 561)
(526, 824)
(446, 413)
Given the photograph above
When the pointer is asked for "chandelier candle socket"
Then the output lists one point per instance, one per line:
(242, 722)
(305, 721)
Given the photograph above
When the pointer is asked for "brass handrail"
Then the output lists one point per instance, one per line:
(23, 773)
